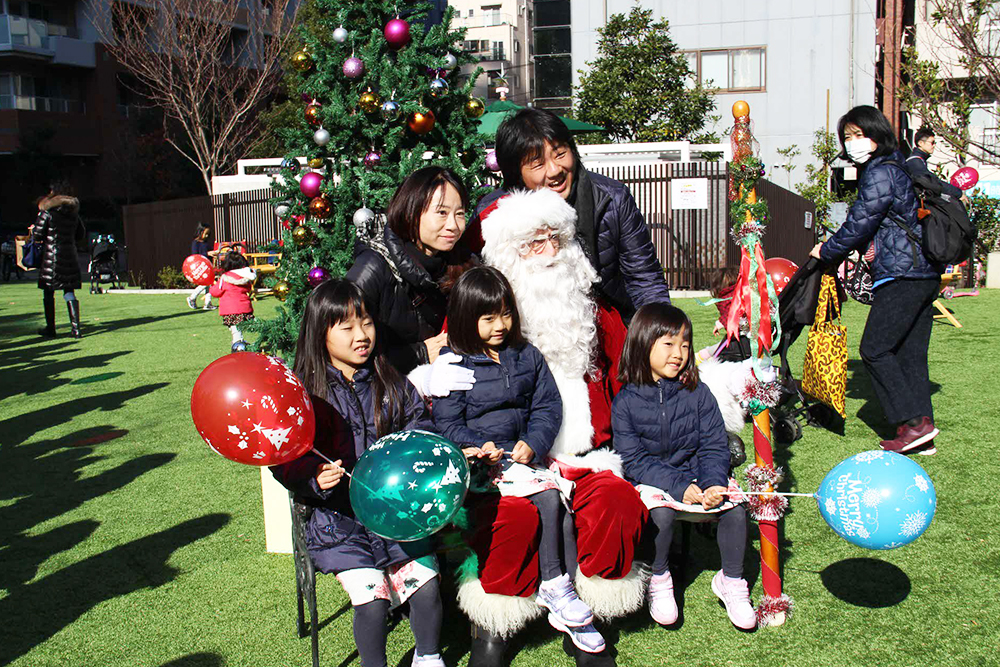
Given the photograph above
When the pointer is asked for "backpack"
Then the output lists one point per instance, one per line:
(948, 234)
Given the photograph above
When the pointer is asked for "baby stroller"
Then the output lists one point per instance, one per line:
(8, 260)
(797, 310)
(104, 264)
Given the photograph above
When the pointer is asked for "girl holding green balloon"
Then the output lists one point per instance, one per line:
(347, 375)
(509, 419)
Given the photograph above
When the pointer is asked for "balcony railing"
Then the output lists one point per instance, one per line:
(482, 21)
(31, 33)
(34, 103)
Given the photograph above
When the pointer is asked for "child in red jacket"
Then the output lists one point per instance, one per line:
(233, 293)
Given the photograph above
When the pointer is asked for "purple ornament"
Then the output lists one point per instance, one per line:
(317, 275)
(491, 161)
(397, 33)
(353, 67)
(373, 159)
(310, 183)
(306, 97)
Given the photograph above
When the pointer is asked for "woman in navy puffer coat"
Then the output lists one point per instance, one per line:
(672, 439)
(897, 334)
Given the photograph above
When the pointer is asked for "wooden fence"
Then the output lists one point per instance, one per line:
(690, 243)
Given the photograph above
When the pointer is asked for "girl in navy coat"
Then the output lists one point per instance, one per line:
(670, 434)
(510, 418)
(340, 365)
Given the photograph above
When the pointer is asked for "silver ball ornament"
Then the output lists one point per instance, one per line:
(363, 217)
(340, 35)
(321, 137)
(391, 110)
(282, 209)
(450, 61)
(438, 88)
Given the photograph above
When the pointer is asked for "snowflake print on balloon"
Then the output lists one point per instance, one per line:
(831, 506)
(913, 525)
(866, 457)
(871, 497)
(921, 482)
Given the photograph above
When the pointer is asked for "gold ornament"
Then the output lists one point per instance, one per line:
(320, 208)
(312, 115)
(302, 236)
(474, 107)
(302, 61)
(281, 289)
(421, 122)
(369, 102)
(316, 163)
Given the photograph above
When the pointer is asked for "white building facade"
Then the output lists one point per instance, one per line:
(498, 33)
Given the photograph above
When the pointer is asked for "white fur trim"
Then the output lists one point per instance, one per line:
(576, 435)
(240, 276)
(520, 214)
(721, 378)
(501, 615)
(597, 460)
(613, 598)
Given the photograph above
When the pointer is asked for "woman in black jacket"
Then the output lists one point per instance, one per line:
(898, 332)
(407, 270)
(59, 230)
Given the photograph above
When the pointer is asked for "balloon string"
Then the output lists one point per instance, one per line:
(327, 459)
(768, 493)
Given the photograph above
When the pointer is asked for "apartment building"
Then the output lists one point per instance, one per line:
(498, 34)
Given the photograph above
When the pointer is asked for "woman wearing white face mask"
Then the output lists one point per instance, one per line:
(897, 334)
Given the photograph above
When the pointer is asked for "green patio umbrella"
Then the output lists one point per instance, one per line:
(500, 110)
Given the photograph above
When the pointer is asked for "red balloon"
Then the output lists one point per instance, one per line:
(781, 271)
(199, 270)
(965, 178)
(252, 409)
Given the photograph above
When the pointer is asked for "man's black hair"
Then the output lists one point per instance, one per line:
(921, 134)
(522, 138)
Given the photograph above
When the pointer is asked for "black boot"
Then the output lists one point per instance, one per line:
(605, 658)
(487, 649)
(74, 317)
(49, 305)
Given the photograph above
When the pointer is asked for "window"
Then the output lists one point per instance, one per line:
(553, 76)
(552, 41)
(729, 69)
(471, 13)
(551, 13)
(31, 93)
(983, 125)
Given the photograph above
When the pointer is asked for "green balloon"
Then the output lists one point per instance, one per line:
(408, 485)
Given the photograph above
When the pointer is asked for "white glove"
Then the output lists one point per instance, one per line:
(442, 377)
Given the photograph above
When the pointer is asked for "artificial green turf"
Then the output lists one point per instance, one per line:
(124, 540)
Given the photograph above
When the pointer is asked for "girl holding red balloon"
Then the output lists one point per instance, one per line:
(233, 292)
(345, 371)
(200, 247)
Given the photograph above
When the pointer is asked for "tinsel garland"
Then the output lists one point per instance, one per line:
(770, 507)
(768, 607)
(758, 396)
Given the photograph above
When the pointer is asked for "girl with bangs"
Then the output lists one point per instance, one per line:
(672, 440)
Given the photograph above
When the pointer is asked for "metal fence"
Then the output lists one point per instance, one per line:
(245, 216)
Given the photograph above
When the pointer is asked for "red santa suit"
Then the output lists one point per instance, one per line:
(581, 341)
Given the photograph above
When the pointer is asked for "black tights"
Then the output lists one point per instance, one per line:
(370, 628)
(556, 524)
(732, 539)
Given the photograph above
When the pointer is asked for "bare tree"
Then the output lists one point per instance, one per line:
(209, 65)
(954, 76)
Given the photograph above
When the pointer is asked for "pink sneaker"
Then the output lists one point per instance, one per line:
(736, 597)
(662, 605)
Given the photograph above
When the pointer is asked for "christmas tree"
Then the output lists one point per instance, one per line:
(380, 98)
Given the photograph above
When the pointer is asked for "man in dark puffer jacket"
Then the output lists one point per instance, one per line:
(535, 149)
(897, 334)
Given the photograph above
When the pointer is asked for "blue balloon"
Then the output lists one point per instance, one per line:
(877, 500)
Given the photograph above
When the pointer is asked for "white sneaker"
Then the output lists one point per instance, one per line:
(208, 306)
(736, 596)
(192, 304)
(432, 660)
(662, 605)
(586, 638)
(560, 598)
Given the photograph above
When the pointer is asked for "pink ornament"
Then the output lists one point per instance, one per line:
(965, 178)
(373, 159)
(491, 161)
(354, 67)
(310, 184)
(397, 33)
(317, 275)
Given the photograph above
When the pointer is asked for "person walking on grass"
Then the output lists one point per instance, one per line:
(201, 246)
(233, 292)
(59, 230)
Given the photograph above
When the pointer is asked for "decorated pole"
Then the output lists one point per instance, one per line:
(754, 303)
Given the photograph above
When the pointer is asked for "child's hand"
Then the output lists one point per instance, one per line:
(492, 453)
(522, 453)
(719, 326)
(328, 475)
(472, 452)
(692, 494)
(713, 496)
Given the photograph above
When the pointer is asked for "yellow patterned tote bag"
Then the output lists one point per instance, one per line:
(824, 371)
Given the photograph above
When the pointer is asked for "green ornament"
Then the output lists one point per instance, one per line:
(408, 485)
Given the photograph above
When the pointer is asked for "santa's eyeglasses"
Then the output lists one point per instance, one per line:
(536, 245)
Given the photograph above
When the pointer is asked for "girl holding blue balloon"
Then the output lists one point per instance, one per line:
(347, 375)
(672, 440)
(509, 419)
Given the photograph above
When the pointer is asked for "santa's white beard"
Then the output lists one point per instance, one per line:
(558, 316)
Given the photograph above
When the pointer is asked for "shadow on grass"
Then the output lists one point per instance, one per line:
(197, 660)
(866, 582)
(39, 375)
(57, 600)
(25, 325)
(859, 387)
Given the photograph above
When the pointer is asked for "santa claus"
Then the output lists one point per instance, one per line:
(530, 238)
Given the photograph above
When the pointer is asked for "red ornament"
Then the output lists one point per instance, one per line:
(312, 114)
(199, 270)
(781, 271)
(421, 122)
(397, 33)
(252, 409)
(965, 178)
